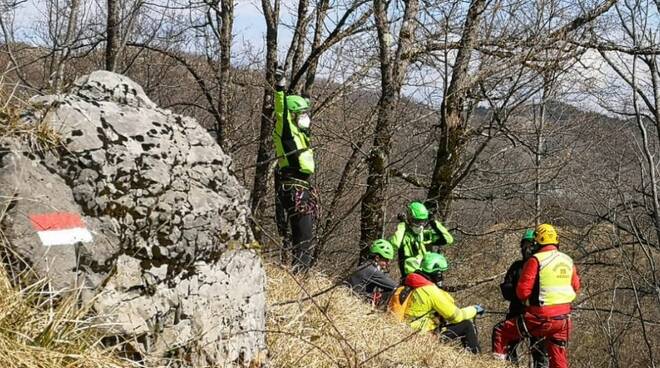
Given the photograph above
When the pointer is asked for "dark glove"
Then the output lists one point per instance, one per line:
(480, 309)
(280, 79)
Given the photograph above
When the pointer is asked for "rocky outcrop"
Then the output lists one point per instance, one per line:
(138, 206)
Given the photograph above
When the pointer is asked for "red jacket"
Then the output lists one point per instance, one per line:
(415, 281)
(528, 279)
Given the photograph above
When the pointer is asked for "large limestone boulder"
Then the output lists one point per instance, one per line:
(140, 208)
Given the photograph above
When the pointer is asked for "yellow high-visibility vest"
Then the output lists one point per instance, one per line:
(555, 275)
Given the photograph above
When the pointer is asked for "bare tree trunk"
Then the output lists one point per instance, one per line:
(294, 56)
(650, 160)
(373, 204)
(452, 124)
(128, 33)
(63, 54)
(260, 185)
(227, 23)
(537, 162)
(111, 35)
(346, 26)
(392, 73)
(538, 155)
(321, 13)
(653, 69)
(652, 64)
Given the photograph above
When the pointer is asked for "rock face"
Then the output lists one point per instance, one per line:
(160, 241)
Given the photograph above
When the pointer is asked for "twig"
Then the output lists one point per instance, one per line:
(472, 284)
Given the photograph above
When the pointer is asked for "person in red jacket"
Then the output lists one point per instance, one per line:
(548, 284)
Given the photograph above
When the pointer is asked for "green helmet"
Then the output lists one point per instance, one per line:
(527, 244)
(382, 248)
(297, 104)
(433, 263)
(417, 211)
(529, 235)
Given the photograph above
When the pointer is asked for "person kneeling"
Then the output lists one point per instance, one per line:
(433, 309)
(370, 279)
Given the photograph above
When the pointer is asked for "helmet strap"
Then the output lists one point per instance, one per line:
(536, 247)
(527, 248)
(437, 278)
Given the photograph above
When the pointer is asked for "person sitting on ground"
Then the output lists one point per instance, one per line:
(370, 279)
(417, 234)
(433, 309)
(517, 307)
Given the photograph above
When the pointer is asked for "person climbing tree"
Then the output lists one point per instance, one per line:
(296, 203)
(516, 306)
(548, 284)
(414, 234)
(370, 279)
(433, 309)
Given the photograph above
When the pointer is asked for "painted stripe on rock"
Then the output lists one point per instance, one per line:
(56, 221)
(65, 237)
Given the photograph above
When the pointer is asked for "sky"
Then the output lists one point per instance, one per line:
(249, 35)
(249, 24)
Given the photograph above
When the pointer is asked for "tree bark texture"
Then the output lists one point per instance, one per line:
(61, 57)
(451, 122)
(294, 56)
(264, 154)
(226, 22)
(112, 33)
(393, 70)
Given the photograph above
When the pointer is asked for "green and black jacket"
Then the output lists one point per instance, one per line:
(295, 156)
(411, 245)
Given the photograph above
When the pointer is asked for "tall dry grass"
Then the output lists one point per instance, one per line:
(337, 329)
(35, 332)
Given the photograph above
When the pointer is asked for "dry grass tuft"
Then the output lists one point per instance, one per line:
(38, 135)
(336, 329)
(34, 333)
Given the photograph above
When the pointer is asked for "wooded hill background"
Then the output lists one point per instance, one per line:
(500, 114)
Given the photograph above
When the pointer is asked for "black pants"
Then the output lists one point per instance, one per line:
(537, 347)
(466, 331)
(290, 197)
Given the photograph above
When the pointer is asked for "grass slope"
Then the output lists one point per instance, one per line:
(36, 334)
(337, 329)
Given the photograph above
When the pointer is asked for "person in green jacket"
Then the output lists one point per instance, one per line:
(416, 235)
(433, 309)
(295, 204)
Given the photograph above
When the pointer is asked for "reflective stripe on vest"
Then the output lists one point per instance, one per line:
(555, 275)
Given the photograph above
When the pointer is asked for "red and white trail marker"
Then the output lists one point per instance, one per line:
(60, 228)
